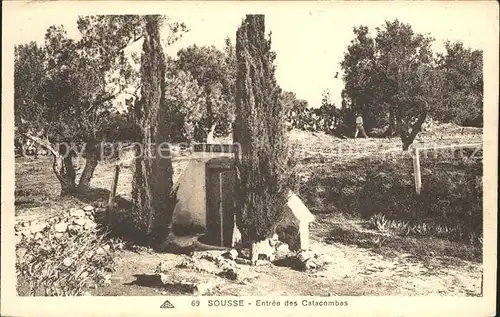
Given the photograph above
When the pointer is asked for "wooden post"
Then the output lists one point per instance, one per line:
(416, 171)
(112, 194)
(221, 210)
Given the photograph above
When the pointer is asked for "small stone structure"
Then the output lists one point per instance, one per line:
(303, 218)
(205, 204)
(190, 214)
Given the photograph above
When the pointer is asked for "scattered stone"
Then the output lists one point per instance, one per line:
(218, 259)
(38, 236)
(84, 275)
(232, 254)
(100, 251)
(58, 235)
(73, 228)
(67, 261)
(199, 265)
(226, 264)
(310, 264)
(76, 212)
(79, 221)
(61, 227)
(243, 261)
(18, 227)
(282, 248)
(89, 225)
(202, 288)
(238, 274)
(229, 273)
(303, 256)
(86, 294)
(209, 255)
(88, 208)
(37, 227)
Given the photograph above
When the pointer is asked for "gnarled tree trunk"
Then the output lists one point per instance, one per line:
(409, 131)
(65, 172)
(62, 165)
(91, 161)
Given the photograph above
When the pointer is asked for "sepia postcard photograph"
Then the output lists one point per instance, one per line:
(200, 158)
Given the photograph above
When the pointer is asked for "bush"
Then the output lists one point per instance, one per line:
(64, 264)
(449, 206)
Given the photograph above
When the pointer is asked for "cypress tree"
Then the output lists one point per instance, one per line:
(260, 131)
(152, 182)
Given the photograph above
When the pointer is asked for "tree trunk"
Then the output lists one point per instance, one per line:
(91, 161)
(62, 165)
(65, 173)
(112, 194)
(409, 132)
(392, 129)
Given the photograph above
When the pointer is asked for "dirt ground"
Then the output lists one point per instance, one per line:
(355, 270)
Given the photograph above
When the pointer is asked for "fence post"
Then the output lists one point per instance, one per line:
(416, 171)
(112, 194)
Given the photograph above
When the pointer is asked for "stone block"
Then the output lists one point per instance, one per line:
(88, 208)
(76, 212)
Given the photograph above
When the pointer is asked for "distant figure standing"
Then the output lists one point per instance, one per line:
(359, 127)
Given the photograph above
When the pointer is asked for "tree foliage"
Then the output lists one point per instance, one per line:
(152, 181)
(462, 93)
(260, 130)
(213, 71)
(184, 99)
(393, 79)
(65, 89)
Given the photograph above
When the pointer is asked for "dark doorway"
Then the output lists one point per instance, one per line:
(220, 183)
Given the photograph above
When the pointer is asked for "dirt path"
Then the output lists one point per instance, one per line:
(354, 272)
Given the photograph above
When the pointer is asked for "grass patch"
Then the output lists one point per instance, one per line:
(380, 192)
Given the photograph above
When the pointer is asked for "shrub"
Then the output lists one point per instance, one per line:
(382, 189)
(64, 265)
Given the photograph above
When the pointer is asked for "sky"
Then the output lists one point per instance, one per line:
(310, 41)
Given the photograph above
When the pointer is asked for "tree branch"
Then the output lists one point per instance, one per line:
(100, 102)
(42, 142)
(134, 39)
